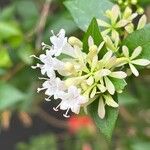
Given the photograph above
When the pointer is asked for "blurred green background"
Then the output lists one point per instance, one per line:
(27, 122)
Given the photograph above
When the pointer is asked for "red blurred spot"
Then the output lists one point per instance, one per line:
(76, 123)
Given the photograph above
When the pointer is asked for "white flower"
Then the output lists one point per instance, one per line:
(71, 100)
(50, 64)
(132, 61)
(52, 87)
(59, 41)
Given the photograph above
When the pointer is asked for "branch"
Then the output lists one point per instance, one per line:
(41, 24)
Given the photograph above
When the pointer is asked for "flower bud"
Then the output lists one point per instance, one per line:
(69, 66)
(133, 2)
(140, 10)
(92, 52)
(75, 41)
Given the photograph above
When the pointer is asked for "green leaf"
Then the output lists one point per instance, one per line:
(27, 10)
(7, 13)
(107, 124)
(93, 31)
(118, 83)
(140, 38)
(9, 30)
(5, 60)
(24, 52)
(144, 2)
(84, 11)
(9, 95)
(127, 98)
(139, 145)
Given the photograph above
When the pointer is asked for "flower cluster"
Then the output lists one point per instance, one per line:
(120, 22)
(77, 78)
(131, 3)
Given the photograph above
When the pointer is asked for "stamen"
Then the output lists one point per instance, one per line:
(66, 114)
(48, 99)
(56, 108)
(34, 67)
(40, 89)
(52, 31)
(41, 78)
(37, 66)
(33, 56)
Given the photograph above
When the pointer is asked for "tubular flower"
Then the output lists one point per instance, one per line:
(76, 78)
(83, 76)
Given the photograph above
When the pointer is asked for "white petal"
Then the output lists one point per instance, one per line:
(109, 101)
(125, 51)
(134, 15)
(90, 41)
(115, 12)
(107, 56)
(141, 62)
(134, 70)
(129, 28)
(142, 22)
(93, 93)
(90, 80)
(121, 23)
(115, 36)
(100, 46)
(69, 50)
(109, 43)
(136, 52)
(76, 109)
(101, 108)
(101, 87)
(127, 13)
(105, 32)
(118, 74)
(109, 85)
(104, 72)
(102, 23)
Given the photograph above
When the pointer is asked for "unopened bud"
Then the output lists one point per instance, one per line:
(92, 52)
(69, 66)
(120, 2)
(75, 41)
(140, 10)
(84, 86)
(126, 3)
(133, 2)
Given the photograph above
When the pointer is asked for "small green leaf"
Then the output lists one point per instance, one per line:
(107, 124)
(9, 95)
(140, 38)
(84, 11)
(118, 83)
(94, 32)
(5, 60)
(9, 31)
